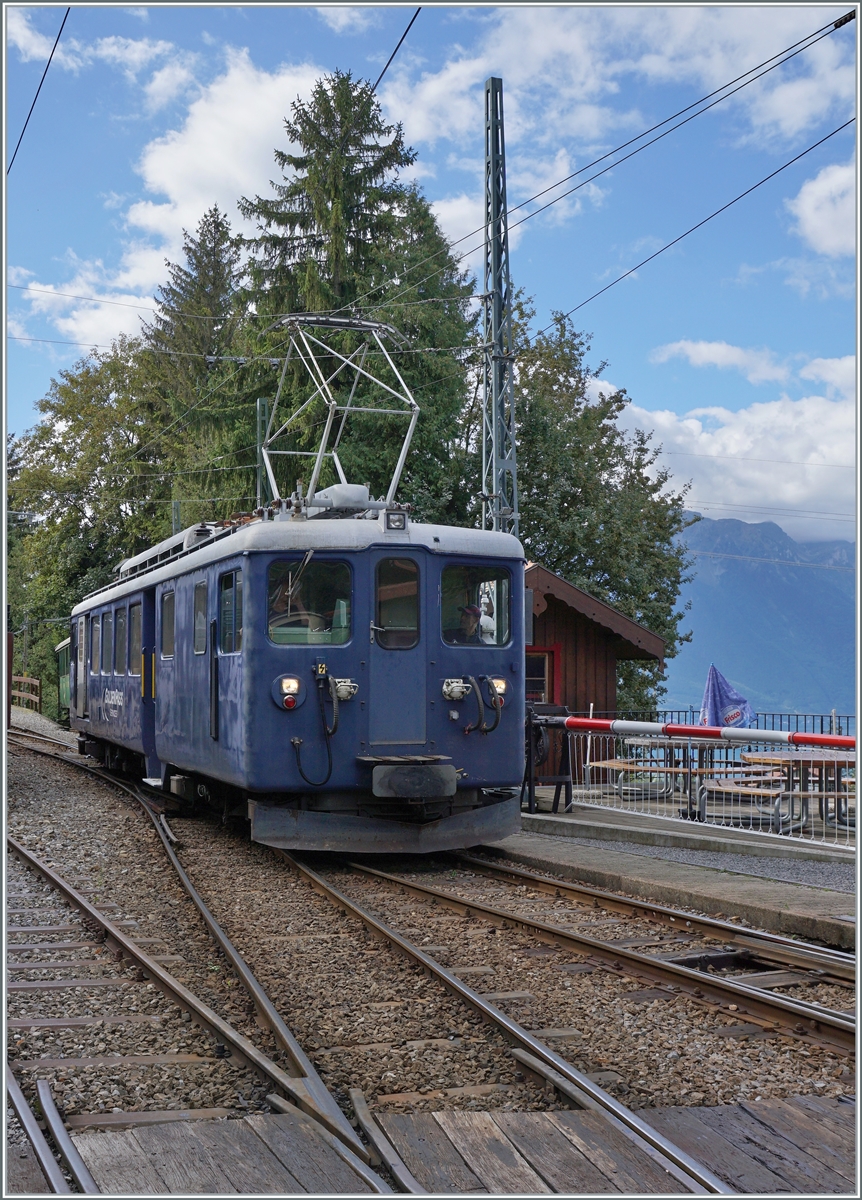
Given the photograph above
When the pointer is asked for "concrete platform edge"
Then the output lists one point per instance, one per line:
(632, 879)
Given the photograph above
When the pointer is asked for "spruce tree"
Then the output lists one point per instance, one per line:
(325, 232)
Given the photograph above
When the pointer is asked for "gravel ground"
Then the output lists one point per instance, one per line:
(73, 823)
(660, 1052)
(365, 1016)
(25, 718)
(836, 877)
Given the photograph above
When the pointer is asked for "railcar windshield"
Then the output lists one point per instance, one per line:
(310, 605)
(475, 606)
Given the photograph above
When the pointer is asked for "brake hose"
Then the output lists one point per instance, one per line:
(496, 704)
(327, 732)
(480, 723)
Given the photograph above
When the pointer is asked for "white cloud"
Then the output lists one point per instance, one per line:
(839, 375)
(825, 211)
(223, 149)
(344, 18)
(34, 46)
(758, 366)
(748, 461)
(167, 84)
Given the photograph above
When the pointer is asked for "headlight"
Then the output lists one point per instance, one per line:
(289, 686)
(500, 685)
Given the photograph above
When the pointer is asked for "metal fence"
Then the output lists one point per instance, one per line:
(756, 787)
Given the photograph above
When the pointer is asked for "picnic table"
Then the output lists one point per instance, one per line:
(659, 767)
(806, 775)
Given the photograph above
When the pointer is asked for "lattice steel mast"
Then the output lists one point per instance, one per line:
(499, 463)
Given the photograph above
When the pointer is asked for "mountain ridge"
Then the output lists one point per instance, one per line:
(775, 616)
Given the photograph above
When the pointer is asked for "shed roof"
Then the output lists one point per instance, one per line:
(636, 641)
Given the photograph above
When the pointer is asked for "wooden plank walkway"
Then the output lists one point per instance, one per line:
(804, 1145)
(276, 1154)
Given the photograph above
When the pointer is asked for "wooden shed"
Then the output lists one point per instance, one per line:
(577, 643)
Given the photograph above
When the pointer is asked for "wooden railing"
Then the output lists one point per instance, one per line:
(27, 693)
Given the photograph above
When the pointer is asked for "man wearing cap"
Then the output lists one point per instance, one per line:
(468, 632)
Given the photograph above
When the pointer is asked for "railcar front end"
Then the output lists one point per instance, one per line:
(345, 684)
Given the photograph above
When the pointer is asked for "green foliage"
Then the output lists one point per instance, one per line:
(595, 507)
(167, 417)
(331, 222)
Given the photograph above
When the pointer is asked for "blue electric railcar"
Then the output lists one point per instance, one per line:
(352, 683)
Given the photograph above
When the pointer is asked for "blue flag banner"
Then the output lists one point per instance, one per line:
(722, 704)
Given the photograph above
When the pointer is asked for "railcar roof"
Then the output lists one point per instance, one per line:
(346, 534)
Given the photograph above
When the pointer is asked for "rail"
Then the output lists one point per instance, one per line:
(792, 1017)
(304, 1087)
(675, 1161)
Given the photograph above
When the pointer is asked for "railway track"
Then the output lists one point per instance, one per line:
(710, 960)
(82, 980)
(534, 1057)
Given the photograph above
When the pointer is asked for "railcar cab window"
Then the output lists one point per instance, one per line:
(135, 648)
(397, 608)
(107, 643)
(230, 612)
(475, 606)
(95, 640)
(120, 642)
(200, 618)
(167, 644)
(309, 605)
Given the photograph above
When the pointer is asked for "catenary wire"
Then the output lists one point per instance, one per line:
(816, 36)
(790, 462)
(781, 562)
(38, 90)
(699, 225)
(784, 55)
(397, 48)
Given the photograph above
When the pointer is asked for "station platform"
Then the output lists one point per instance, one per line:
(576, 847)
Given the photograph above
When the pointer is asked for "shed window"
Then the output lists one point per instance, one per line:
(120, 642)
(475, 606)
(538, 679)
(309, 607)
(230, 612)
(168, 625)
(135, 647)
(107, 642)
(397, 611)
(200, 618)
(95, 639)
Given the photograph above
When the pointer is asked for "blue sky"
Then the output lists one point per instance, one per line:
(737, 347)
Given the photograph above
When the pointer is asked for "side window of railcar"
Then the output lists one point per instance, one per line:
(107, 642)
(475, 606)
(135, 639)
(167, 643)
(230, 612)
(120, 642)
(310, 606)
(95, 640)
(397, 607)
(200, 618)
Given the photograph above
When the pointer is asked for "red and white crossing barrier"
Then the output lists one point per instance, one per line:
(725, 733)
